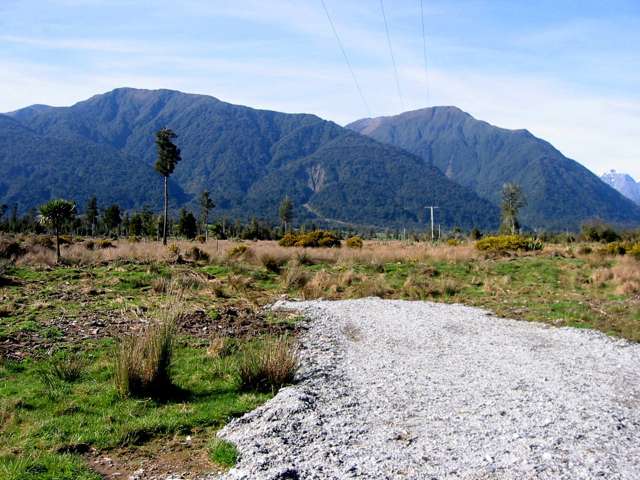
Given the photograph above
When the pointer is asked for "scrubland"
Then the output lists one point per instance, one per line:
(128, 346)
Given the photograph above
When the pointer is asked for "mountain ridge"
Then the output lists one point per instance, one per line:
(624, 183)
(250, 159)
(561, 193)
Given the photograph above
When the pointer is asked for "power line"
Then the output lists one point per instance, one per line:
(346, 58)
(424, 51)
(393, 58)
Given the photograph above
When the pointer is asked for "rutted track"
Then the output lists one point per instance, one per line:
(395, 389)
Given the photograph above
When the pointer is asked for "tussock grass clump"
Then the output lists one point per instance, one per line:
(189, 280)
(58, 370)
(370, 287)
(68, 367)
(239, 283)
(320, 285)
(626, 274)
(221, 346)
(267, 364)
(160, 285)
(272, 262)
(143, 361)
(294, 277)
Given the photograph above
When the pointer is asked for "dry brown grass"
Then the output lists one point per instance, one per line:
(375, 286)
(294, 276)
(322, 285)
(374, 253)
(601, 276)
(626, 274)
(268, 364)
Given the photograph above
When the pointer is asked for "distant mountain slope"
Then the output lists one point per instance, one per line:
(561, 193)
(249, 159)
(35, 168)
(624, 183)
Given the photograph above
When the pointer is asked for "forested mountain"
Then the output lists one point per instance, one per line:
(624, 183)
(560, 192)
(248, 159)
(35, 168)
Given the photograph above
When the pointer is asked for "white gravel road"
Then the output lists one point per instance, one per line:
(395, 389)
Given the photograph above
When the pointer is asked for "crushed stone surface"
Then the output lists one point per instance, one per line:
(396, 389)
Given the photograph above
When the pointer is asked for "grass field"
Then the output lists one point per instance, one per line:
(61, 428)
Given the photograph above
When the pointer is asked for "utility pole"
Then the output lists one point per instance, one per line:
(432, 208)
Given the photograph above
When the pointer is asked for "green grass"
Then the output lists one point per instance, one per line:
(41, 418)
(223, 453)
(45, 466)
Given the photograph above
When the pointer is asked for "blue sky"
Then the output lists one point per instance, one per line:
(569, 71)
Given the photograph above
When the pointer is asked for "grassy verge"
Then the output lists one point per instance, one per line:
(63, 417)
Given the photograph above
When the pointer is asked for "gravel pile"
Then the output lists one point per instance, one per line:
(396, 389)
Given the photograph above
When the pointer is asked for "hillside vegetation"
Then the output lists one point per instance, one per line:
(249, 160)
(560, 192)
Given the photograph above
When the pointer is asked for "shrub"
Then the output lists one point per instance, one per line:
(634, 251)
(198, 255)
(613, 248)
(507, 243)
(314, 239)
(273, 263)
(201, 239)
(43, 241)
(475, 234)
(89, 244)
(267, 364)
(133, 239)
(453, 242)
(174, 249)
(10, 249)
(104, 244)
(354, 242)
(238, 251)
(143, 361)
(288, 240)
(598, 232)
(584, 250)
(66, 240)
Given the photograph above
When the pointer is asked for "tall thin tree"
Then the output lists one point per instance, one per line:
(56, 213)
(513, 200)
(168, 158)
(286, 212)
(206, 204)
(91, 214)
